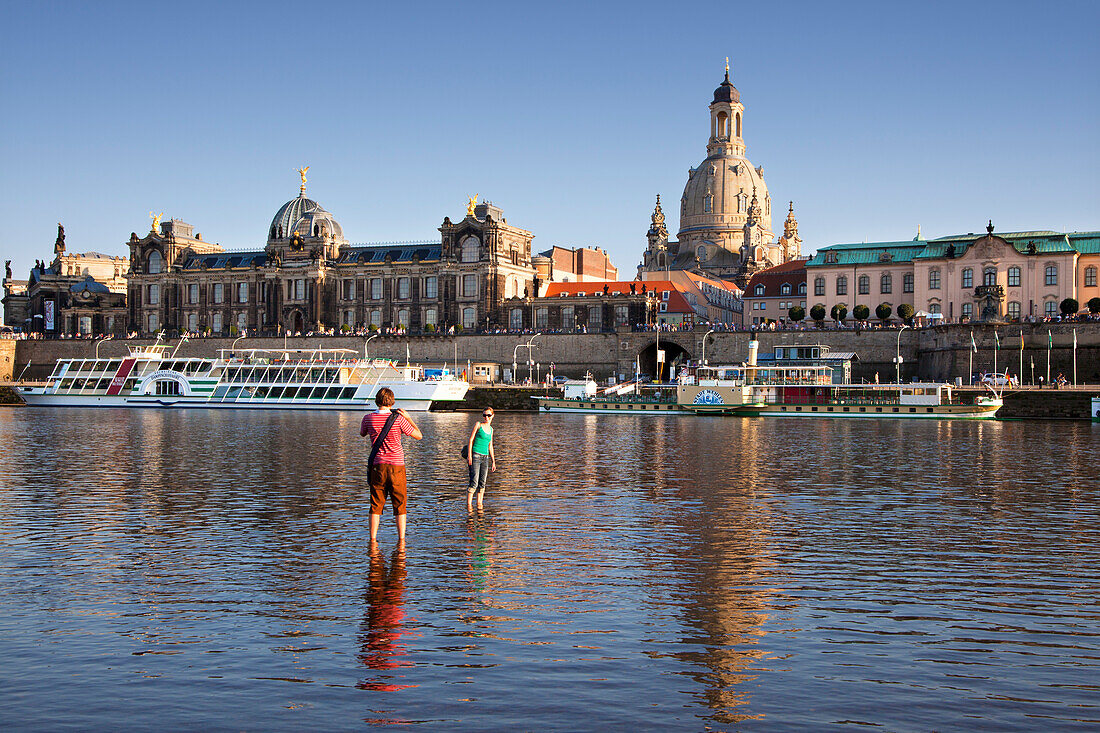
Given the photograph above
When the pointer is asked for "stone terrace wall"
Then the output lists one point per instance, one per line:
(934, 353)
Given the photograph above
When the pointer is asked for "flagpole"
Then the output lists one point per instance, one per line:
(1074, 357)
(1050, 342)
(996, 348)
(1021, 374)
(973, 348)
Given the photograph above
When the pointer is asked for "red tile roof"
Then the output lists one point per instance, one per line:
(793, 273)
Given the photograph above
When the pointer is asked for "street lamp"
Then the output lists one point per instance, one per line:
(233, 346)
(365, 345)
(897, 359)
(708, 333)
(97, 343)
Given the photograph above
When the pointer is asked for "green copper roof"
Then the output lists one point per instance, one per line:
(861, 253)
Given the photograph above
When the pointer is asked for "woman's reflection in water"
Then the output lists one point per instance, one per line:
(380, 647)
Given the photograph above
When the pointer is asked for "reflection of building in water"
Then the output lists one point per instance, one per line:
(727, 598)
(380, 647)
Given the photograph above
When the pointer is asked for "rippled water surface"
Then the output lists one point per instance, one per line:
(212, 570)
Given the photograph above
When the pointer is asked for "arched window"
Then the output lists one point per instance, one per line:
(722, 125)
(1051, 275)
(702, 252)
(708, 203)
(759, 290)
(819, 286)
(989, 276)
(1014, 277)
(469, 317)
(935, 308)
(802, 288)
(155, 263)
(886, 283)
(1090, 277)
(471, 247)
(1050, 309)
(967, 310)
(968, 278)
(738, 124)
(1014, 310)
(842, 285)
(864, 284)
(785, 289)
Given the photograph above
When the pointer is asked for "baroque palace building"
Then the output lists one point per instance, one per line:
(1015, 276)
(309, 278)
(725, 211)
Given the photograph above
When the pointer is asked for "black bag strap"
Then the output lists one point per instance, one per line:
(381, 436)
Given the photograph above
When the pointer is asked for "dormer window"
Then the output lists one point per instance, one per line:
(830, 258)
(885, 257)
(785, 289)
(759, 290)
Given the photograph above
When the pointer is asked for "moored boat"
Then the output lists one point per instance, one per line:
(315, 379)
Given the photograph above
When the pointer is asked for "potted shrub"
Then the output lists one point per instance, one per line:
(818, 314)
(838, 313)
(797, 313)
(883, 312)
(1069, 307)
(861, 312)
(1094, 305)
(905, 312)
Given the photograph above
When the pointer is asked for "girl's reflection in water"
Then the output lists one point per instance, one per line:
(380, 647)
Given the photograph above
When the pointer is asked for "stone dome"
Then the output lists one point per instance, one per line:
(313, 221)
(288, 215)
(724, 178)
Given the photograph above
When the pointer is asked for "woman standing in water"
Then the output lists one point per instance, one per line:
(480, 457)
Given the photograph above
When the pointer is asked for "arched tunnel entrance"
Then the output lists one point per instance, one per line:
(675, 355)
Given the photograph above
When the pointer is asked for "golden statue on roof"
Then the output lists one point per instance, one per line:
(156, 221)
(470, 206)
(302, 173)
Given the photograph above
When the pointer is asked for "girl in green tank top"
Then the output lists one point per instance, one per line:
(480, 457)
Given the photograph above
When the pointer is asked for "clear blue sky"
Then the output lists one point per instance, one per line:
(874, 117)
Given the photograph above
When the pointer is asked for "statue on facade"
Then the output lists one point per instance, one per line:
(302, 173)
(296, 242)
(59, 243)
(275, 260)
(470, 206)
(633, 289)
(950, 253)
(7, 269)
(156, 221)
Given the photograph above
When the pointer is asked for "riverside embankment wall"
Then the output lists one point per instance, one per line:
(940, 353)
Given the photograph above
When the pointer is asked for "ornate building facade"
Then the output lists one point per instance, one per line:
(74, 294)
(1015, 276)
(309, 278)
(725, 211)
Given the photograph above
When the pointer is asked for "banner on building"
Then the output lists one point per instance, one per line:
(48, 314)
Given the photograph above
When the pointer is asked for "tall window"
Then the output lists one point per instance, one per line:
(470, 249)
(907, 282)
(542, 317)
(242, 322)
(595, 319)
(1014, 277)
(349, 290)
(430, 317)
(469, 286)
(376, 317)
(968, 278)
(431, 287)
(864, 284)
(568, 321)
(933, 279)
(819, 286)
(216, 323)
(886, 283)
(935, 308)
(622, 315)
(989, 276)
(403, 317)
(802, 288)
(155, 263)
(193, 293)
(1051, 275)
(376, 288)
(515, 319)
(403, 288)
(1050, 309)
(967, 310)
(1090, 277)
(1014, 310)
(708, 204)
(242, 292)
(154, 294)
(219, 292)
(469, 317)
(192, 321)
(154, 322)
(842, 285)
(300, 289)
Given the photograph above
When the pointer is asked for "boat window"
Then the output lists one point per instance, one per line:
(349, 392)
(219, 391)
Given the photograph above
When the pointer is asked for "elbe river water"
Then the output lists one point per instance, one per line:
(212, 570)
